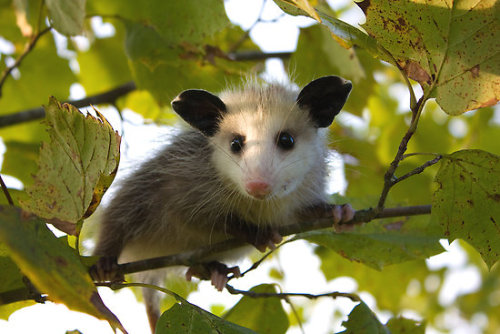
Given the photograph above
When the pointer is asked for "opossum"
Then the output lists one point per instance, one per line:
(253, 160)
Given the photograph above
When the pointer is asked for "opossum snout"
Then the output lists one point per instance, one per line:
(258, 189)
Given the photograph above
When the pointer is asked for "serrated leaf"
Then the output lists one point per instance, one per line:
(467, 200)
(187, 318)
(376, 249)
(52, 267)
(263, 315)
(76, 167)
(450, 48)
(405, 326)
(363, 321)
(67, 15)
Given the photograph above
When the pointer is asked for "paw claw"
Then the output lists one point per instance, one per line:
(342, 214)
(214, 271)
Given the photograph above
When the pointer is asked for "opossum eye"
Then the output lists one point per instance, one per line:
(237, 143)
(285, 140)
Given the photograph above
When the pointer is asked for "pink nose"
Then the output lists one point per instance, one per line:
(258, 189)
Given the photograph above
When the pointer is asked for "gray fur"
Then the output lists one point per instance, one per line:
(182, 198)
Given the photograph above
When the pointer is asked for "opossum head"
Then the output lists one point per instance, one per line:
(266, 139)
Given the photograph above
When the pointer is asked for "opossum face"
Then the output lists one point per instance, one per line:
(265, 139)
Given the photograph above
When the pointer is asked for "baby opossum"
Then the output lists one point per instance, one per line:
(253, 160)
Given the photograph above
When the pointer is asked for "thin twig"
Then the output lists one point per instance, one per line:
(31, 44)
(419, 169)
(389, 179)
(6, 191)
(283, 295)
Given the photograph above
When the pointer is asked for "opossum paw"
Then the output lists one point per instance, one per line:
(342, 214)
(268, 239)
(106, 270)
(214, 271)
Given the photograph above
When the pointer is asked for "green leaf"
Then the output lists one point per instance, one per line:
(467, 200)
(27, 91)
(67, 15)
(11, 277)
(349, 36)
(393, 297)
(363, 321)
(316, 42)
(164, 40)
(376, 249)
(405, 326)
(345, 34)
(53, 267)
(177, 22)
(263, 315)
(76, 167)
(451, 49)
(298, 7)
(185, 317)
(104, 66)
(8, 22)
(12, 287)
(20, 160)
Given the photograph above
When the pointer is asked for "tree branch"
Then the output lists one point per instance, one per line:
(419, 169)
(389, 179)
(108, 97)
(6, 191)
(285, 295)
(31, 44)
(199, 255)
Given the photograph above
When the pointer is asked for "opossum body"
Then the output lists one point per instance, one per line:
(253, 160)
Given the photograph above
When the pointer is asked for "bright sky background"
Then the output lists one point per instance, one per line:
(300, 265)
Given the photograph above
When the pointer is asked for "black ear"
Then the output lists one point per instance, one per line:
(201, 109)
(324, 98)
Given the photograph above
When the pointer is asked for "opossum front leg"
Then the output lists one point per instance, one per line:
(214, 271)
(106, 270)
(340, 214)
(261, 237)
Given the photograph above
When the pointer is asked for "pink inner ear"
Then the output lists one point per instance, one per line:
(258, 189)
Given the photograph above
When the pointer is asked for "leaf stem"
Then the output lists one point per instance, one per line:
(6, 192)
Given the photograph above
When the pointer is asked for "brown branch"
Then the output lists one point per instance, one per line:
(285, 295)
(198, 255)
(419, 169)
(6, 191)
(389, 179)
(31, 44)
(108, 97)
